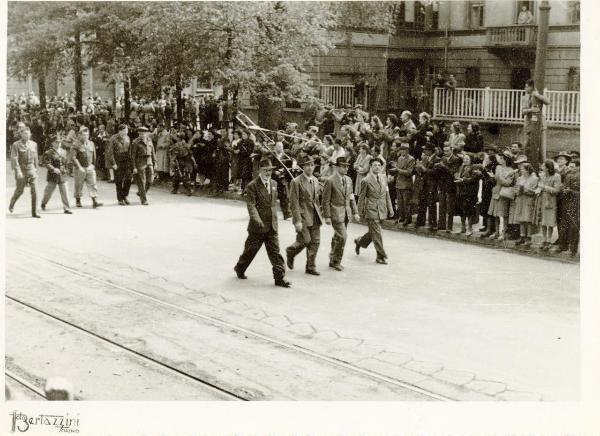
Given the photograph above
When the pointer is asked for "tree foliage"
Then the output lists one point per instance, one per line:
(263, 48)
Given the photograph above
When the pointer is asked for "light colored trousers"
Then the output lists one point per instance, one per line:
(87, 176)
(64, 193)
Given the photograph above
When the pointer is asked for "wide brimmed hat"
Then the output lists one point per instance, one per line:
(376, 159)
(342, 162)
(305, 159)
(265, 164)
(143, 129)
(564, 154)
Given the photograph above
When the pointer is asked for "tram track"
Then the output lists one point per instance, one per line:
(380, 378)
(30, 387)
(142, 356)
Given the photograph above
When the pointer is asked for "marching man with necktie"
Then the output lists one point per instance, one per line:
(261, 199)
(339, 207)
(374, 205)
(306, 215)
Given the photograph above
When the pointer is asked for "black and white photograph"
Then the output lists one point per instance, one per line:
(292, 201)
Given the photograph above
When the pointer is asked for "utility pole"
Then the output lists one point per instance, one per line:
(536, 152)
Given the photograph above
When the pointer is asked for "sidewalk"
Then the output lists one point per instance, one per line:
(475, 239)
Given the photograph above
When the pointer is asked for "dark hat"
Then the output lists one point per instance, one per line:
(342, 161)
(143, 129)
(122, 126)
(564, 154)
(265, 164)
(305, 159)
(375, 159)
(491, 148)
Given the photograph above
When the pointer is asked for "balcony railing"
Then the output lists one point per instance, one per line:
(503, 106)
(512, 36)
(338, 95)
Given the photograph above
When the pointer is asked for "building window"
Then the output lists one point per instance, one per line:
(525, 12)
(472, 77)
(410, 15)
(476, 14)
(573, 79)
(435, 14)
(575, 10)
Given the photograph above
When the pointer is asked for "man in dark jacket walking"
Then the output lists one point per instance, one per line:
(55, 160)
(261, 200)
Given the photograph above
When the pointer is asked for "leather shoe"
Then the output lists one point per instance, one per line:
(121, 203)
(240, 275)
(145, 203)
(68, 212)
(336, 266)
(313, 272)
(126, 201)
(381, 261)
(289, 261)
(35, 215)
(43, 206)
(356, 247)
(282, 283)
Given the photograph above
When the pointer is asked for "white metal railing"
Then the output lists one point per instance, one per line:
(503, 105)
(564, 108)
(337, 95)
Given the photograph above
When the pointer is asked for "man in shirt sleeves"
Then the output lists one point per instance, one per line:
(339, 207)
(261, 200)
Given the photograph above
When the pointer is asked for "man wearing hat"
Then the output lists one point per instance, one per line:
(24, 159)
(338, 208)
(562, 163)
(83, 155)
(374, 205)
(119, 159)
(143, 159)
(261, 199)
(55, 160)
(306, 215)
(405, 167)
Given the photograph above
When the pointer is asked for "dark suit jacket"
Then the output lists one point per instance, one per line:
(338, 203)
(304, 201)
(53, 159)
(374, 201)
(262, 207)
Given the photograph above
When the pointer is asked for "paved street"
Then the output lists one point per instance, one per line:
(440, 316)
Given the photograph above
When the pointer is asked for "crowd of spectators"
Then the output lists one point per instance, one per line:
(437, 170)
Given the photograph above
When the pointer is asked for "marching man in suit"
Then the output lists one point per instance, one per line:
(374, 205)
(306, 215)
(338, 208)
(261, 199)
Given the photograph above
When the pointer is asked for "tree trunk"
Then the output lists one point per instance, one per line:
(77, 72)
(178, 89)
(42, 89)
(127, 102)
(270, 112)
